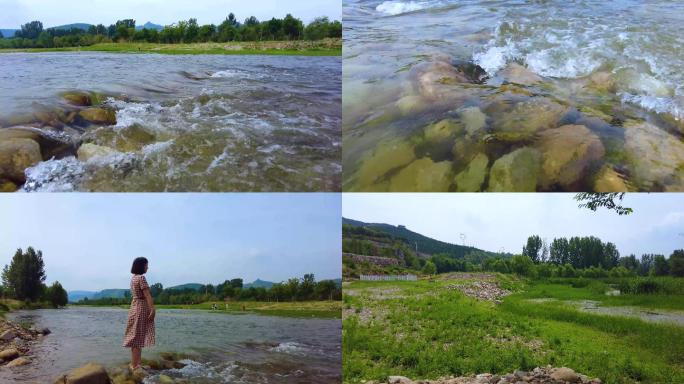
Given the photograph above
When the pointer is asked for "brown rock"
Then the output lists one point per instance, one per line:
(565, 374)
(399, 380)
(90, 373)
(567, 153)
(608, 180)
(7, 186)
(88, 151)
(18, 362)
(9, 353)
(516, 73)
(16, 155)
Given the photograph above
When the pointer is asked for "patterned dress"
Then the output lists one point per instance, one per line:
(139, 329)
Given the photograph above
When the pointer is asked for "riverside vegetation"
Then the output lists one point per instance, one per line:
(276, 36)
(487, 318)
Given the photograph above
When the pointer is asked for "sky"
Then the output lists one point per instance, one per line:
(90, 240)
(495, 221)
(59, 12)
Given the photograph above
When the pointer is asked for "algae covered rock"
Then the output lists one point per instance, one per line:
(517, 171)
(103, 116)
(607, 180)
(16, 155)
(88, 151)
(526, 119)
(516, 73)
(386, 157)
(442, 130)
(90, 373)
(568, 153)
(472, 178)
(423, 175)
(656, 157)
(473, 119)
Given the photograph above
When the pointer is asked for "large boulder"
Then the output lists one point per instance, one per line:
(423, 175)
(566, 375)
(473, 119)
(434, 80)
(16, 155)
(656, 157)
(90, 373)
(568, 153)
(472, 178)
(52, 144)
(516, 73)
(104, 116)
(18, 362)
(607, 180)
(517, 171)
(526, 119)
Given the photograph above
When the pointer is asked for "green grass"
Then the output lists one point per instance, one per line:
(423, 330)
(324, 48)
(305, 309)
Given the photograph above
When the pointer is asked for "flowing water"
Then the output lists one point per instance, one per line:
(221, 348)
(183, 123)
(468, 95)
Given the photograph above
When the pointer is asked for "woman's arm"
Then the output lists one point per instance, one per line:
(150, 303)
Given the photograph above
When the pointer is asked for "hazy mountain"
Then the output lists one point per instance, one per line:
(83, 26)
(75, 296)
(258, 283)
(194, 286)
(426, 245)
(149, 25)
(7, 33)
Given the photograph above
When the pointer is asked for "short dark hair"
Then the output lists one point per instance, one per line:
(139, 265)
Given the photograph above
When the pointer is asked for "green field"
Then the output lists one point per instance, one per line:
(424, 330)
(317, 309)
(327, 47)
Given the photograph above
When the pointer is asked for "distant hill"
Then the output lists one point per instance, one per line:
(426, 245)
(194, 286)
(75, 296)
(8, 33)
(258, 284)
(83, 26)
(149, 25)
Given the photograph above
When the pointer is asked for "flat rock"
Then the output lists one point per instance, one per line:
(386, 157)
(90, 373)
(568, 153)
(517, 171)
(16, 155)
(526, 119)
(18, 362)
(473, 119)
(9, 354)
(516, 73)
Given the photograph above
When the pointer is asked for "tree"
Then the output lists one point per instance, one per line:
(236, 283)
(429, 268)
(30, 30)
(156, 289)
(306, 288)
(660, 266)
(25, 275)
(1, 35)
(57, 295)
(533, 248)
(677, 263)
(594, 201)
(191, 31)
(206, 33)
(522, 265)
(292, 27)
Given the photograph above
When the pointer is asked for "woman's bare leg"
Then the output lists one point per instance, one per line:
(136, 357)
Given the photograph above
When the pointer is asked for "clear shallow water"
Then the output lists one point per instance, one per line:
(604, 65)
(219, 123)
(222, 348)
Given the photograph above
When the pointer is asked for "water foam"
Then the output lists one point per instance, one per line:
(54, 176)
(394, 8)
(291, 348)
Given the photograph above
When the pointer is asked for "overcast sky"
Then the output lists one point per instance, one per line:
(14, 13)
(90, 240)
(493, 221)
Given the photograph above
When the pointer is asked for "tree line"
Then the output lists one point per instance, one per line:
(294, 289)
(24, 279)
(33, 35)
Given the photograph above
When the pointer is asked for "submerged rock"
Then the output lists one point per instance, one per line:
(88, 151)
(516, 73)
(568, 153)
(386, 157)
(473, 119)
(517, 171)
(442, 130)
(434, 80)
(423, 175)
(607, 180)
(128, 139)
(18, 362)
(104, 116)
(526, 119)
(52, 144)
(82, 99)
(656, 157)
(472, 178)
(16, 155)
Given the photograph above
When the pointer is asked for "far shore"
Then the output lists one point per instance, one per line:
(304, 309)
(326, 47)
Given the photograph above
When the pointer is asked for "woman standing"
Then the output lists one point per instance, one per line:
(140, 326)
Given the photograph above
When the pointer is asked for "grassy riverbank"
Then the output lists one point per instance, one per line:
(317, 309)
(326, 47)
(430, 329)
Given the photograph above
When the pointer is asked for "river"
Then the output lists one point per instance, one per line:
(183, 122)
(457, 95)
(221, 348)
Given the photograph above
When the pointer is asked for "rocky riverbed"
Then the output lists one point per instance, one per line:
(15, 343)
(539, 375)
